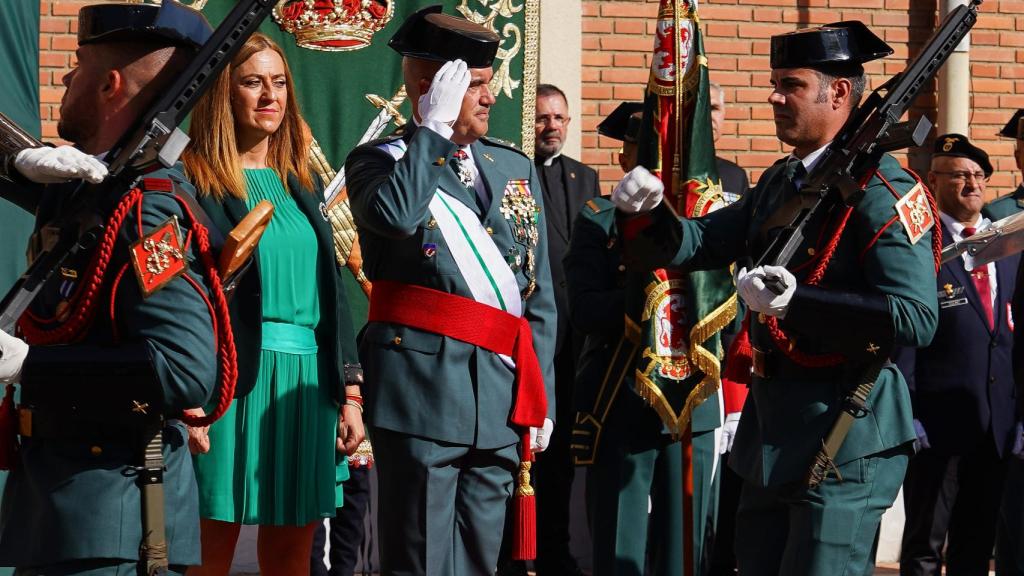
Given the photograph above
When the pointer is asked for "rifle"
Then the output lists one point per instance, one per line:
(154, 140)
(845, 167)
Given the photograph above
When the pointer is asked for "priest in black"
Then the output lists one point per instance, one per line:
(567, 185)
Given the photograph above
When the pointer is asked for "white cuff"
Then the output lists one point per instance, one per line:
(442, 129)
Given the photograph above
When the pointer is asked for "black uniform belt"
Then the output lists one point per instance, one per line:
(57, 425)
(774, 364)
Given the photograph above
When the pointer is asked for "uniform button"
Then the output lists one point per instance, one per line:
(490, 231)
(993, 344)
(810, 251)
(397, 340)
(440, 161)
(622, 267)
(992, 380)
(96, 450)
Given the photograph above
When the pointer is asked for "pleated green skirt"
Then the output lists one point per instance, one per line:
(272, 456)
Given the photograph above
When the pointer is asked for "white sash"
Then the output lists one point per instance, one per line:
(485, 270)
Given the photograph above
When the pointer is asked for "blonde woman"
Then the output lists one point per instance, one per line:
(275, 459)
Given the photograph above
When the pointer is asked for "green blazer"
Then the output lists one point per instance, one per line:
(335, 335)
(417, 382)
(786, 417)
(75, 497)
(1005, 205)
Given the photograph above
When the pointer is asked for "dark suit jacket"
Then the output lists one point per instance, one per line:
(334, 334)
(581, 184)
(734, 178)
(962, 385)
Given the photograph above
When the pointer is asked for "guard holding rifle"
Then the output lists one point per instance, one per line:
(120, 340)
(860, 282)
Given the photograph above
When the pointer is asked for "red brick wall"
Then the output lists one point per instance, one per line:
(618, 38)
(58, 24)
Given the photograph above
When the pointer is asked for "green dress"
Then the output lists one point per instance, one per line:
(272, 457)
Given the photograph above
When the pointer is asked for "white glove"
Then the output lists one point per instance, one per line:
(921, 442)
(12, 356)
(51, 165)
(758, 296)
(439, 107)
(732, 421)
(540, 437)
(639, 191)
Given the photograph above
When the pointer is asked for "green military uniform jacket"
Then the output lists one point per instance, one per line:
(335, 335)
(787, 416)
(73, 494)
(1005, 206)
(418, 382)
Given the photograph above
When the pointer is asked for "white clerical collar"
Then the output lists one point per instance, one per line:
(548, 161)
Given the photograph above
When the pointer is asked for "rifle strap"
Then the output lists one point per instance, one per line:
(854, 406)
(153, 548)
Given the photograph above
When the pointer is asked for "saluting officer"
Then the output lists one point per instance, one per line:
(101, 364)
(842, 309)
(1010, 203)
(453, 237)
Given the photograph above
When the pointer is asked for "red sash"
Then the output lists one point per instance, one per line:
(469, 321)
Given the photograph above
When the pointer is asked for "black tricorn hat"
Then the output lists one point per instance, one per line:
(431, 35)
(622, 124)
(844, 43)
(1015, 127)
(957, 145)
(170, 21)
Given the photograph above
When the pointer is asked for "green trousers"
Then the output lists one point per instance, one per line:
(827, 531)
(637, 466)
(96, 567)
(441, 506)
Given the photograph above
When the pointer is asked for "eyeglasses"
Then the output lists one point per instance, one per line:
(963, 175)
(552, 119)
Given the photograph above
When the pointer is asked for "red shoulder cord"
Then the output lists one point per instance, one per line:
(85, 303)
(784, 342)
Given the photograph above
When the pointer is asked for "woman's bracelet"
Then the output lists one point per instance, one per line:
(355, 403)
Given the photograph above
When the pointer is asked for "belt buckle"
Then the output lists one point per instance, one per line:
(25, 422)
(759, 360)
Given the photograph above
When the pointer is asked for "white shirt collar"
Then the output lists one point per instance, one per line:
(958, 229)
(811, 159)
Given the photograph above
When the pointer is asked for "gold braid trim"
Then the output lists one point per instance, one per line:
(343, 224)
(702, 358)
(531, 57)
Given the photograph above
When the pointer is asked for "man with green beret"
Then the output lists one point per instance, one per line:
(861, 283)
(1010, 203)
(95, 390)
(458, 349)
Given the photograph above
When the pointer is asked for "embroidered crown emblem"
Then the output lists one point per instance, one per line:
(333, 25)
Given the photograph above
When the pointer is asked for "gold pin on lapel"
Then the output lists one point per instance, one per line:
(949, 290)
(488, 156)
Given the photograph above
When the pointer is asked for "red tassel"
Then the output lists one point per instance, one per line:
(740, 359)
(524, 508)
(8, 431)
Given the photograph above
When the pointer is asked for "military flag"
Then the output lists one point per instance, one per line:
(349, 81)
(683, 311)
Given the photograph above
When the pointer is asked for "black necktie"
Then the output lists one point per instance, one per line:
(795, 171)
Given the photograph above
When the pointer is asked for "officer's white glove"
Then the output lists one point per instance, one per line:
(12, 356)
(540, 437)
(732, 421)
(51, 165)
(1018, 440)
(639, 191)
(439, 107)
(921, 442)
(758, 296)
